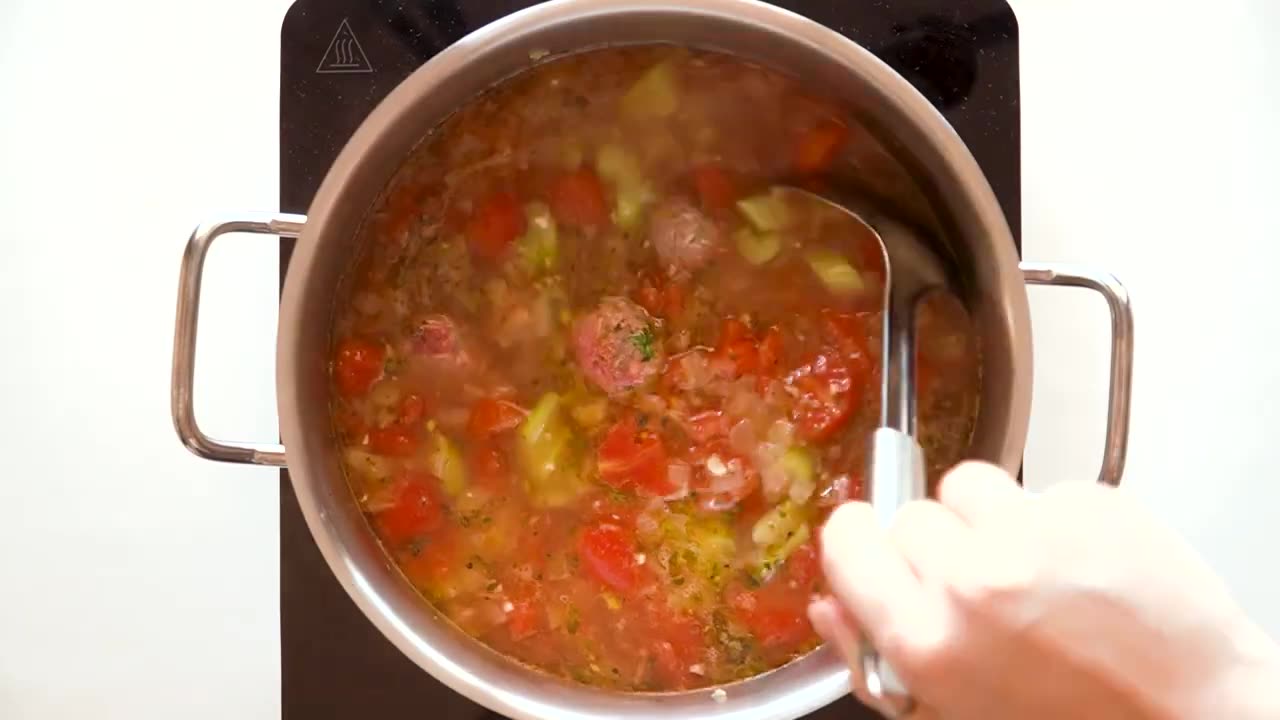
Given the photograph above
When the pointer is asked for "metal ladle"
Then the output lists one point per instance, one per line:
(896, 471)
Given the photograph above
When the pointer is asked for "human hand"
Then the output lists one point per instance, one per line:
(994, 603)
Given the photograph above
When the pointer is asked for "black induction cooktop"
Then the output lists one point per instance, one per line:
(338, 58)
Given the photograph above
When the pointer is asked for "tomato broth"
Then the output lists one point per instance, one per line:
(597, 386)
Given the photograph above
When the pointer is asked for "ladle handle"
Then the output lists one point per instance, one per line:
(897, 476)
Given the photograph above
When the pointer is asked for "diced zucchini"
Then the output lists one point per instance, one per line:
(793, 540)
(492, 537)
(757, 247)
(655, 94)
(767, 212)
(615, 164)
(590, 414)
(366, 465)
(777, 534)
(629, 206)
(538, 248)
(385, 394)
(384, 401)
(698, 549)
(712, 536)
(447, 464)
(541, 417)
(772, 557)
(835, 272)
(547, 458)
(773, 526)
(633, 192)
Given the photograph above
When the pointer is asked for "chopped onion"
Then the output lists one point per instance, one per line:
(722, 367)
(744, 402)
(680, 341)
(696, 372)
(679, 474)
(651, 404)
(716, 503)
(782, 433)
(742, 438)
(716, 466)
(731, 482)
(491, 612)
(381, 500)
(773, 482)
(647, 528)
(836, 492)
(453, 418)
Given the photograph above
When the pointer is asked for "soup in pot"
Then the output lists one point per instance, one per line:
(597, 385)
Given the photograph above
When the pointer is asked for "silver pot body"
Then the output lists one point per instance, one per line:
(962, 206)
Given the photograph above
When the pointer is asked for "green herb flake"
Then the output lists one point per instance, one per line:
(415, 546)
(573, 620)
(644, 343)
(391, 365)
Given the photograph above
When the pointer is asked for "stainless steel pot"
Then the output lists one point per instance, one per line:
(959, 197)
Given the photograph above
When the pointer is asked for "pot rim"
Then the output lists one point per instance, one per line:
(823, 677)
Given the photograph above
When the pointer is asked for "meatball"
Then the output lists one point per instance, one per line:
(435, 336)
(617, 346)
(684, 237)
(439, 345)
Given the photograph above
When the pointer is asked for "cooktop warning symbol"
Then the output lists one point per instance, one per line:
(344, 54)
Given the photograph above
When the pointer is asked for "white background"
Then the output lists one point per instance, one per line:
(139, 582)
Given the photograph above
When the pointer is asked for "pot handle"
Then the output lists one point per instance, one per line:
(1116, 443)
(184, 339)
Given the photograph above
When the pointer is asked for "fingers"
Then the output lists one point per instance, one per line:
(936, 543)
(976, 491)
(837, 628)
(869, 575)
(834, 626)
(1004, 527)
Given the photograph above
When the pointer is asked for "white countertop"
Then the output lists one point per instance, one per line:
(140, 582)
